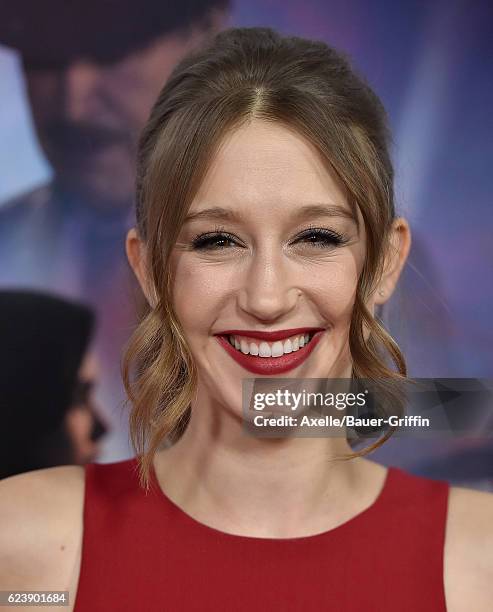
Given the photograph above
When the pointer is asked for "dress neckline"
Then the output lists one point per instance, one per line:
(193, 524)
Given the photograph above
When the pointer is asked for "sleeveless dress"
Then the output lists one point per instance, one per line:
(141, 552)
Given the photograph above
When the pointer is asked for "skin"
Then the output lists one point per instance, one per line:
(105, 106)
(226, 480)
(268, 279)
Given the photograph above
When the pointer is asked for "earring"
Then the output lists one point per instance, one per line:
(381, 292)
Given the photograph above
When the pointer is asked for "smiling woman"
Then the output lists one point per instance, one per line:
(266, 238)
(265, 191)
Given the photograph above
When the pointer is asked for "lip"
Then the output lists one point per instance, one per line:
(272, 336)
(270, 365)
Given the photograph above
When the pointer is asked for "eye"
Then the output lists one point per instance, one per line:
(213, 241)
(219, 239)
(321, 237)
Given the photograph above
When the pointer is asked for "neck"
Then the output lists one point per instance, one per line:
(263, 487)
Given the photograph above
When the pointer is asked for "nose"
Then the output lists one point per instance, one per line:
(269, 290)
(81, 90)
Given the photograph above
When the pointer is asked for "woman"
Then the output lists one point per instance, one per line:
(264, 215)
(48, 374)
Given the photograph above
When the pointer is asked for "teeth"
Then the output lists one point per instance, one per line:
(277, 349)
(266, 349)
(253, 348)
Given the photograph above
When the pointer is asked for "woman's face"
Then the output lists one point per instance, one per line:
(270, 245)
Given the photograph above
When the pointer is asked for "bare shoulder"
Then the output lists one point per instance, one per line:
(468, 563)
(41, 529)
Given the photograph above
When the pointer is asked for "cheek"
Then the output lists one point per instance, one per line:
(199, 291)
(202, 291)
(335, 290)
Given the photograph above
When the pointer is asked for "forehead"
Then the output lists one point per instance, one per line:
(269, 165)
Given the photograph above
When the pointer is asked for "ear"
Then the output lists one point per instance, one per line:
(396, 256)
(137, 258)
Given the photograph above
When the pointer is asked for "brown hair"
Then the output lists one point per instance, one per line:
(245, 74)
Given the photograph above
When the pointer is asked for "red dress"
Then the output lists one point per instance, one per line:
(141, 552)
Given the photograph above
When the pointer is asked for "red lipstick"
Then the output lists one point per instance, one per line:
(270, 366)
(271, 336)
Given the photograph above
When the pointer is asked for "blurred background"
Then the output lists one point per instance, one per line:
(77, 81)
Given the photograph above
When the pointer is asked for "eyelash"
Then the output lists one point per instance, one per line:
(329, 238)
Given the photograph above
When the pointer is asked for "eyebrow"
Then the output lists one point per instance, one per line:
(306, 211)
